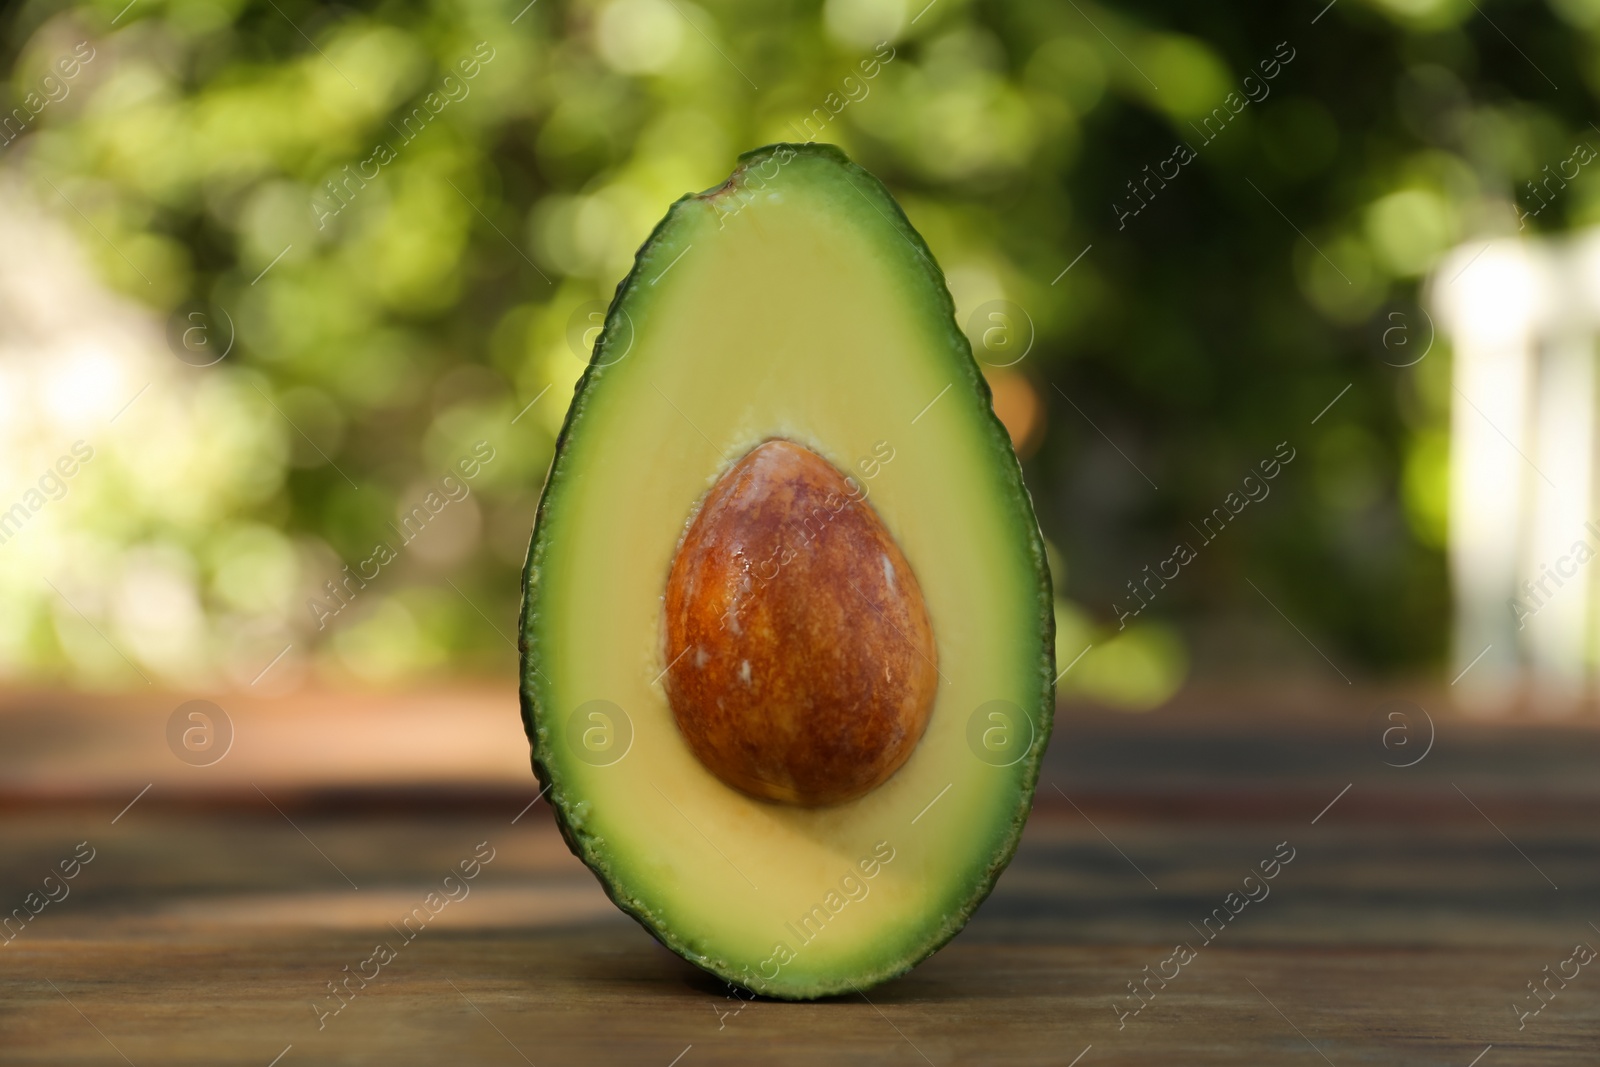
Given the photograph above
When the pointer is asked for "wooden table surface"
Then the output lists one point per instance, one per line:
(219, 906)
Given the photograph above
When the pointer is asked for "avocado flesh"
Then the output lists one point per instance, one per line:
(794, 301)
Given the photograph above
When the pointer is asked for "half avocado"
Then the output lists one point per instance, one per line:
(787, 631)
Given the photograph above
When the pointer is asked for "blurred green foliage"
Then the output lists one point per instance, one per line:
(387, 322)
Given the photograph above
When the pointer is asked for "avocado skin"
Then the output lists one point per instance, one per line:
(592, 850)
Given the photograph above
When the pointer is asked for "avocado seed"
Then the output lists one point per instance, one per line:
(801, 661)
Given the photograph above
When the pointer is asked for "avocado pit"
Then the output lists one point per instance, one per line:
(803, 665)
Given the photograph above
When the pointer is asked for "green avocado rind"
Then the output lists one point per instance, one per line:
(1003, 461)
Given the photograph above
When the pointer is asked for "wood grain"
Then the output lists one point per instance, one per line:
(1400, 933)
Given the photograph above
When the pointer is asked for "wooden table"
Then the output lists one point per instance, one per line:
(1420, 902)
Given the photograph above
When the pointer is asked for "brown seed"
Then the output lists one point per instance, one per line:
(803, 662)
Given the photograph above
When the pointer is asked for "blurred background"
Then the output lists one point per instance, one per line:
(278, 265)
(305, 256)
(1290, 311)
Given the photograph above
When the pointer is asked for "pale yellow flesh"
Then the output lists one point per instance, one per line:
(793, 320)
